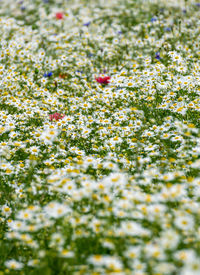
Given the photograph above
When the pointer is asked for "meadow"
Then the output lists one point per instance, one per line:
(99, 137)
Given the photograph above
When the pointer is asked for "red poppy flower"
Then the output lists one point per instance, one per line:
(59, 15)
(56, 116)
(103, 80)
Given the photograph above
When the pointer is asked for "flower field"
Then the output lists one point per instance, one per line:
(99, 137)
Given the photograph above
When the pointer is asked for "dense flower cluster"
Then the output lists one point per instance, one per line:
(103, 80)
(100, 179)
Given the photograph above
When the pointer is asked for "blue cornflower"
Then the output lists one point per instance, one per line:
(167, 29)
(157, 56)
(153, 19)
(48, 74)
(87, 24)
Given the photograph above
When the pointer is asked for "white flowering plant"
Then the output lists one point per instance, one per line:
(100, 137)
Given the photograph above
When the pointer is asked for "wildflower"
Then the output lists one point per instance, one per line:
(96, 260)
(167, 29)
(56, 116)
(103, 80)
(133, 252)
(193, 267)
(132, 228)
(17, 225)
(13, 264)
(48, 136)
(184, 222)
(48, 74)
(158, 56)
(33, 262)
(87, 24)
(169, 239)
(6, 210)
(153, 19)
(56, 210)
(59, 15)
(67, 253)
(56, 240)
